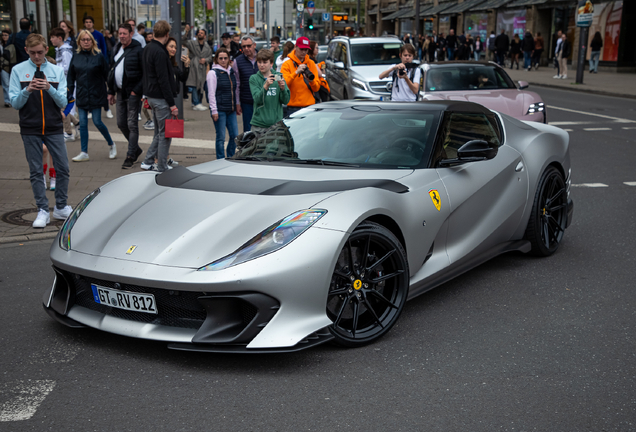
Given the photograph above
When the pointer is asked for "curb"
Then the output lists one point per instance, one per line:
(583, 90)
(29, 237)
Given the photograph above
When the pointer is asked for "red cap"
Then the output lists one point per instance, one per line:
(302, 42)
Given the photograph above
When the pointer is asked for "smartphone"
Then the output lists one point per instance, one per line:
(184, 51)
(39, 75)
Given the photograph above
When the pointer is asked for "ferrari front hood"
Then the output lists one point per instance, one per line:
(192, 223)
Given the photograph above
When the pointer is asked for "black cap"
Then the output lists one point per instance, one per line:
(226, 36)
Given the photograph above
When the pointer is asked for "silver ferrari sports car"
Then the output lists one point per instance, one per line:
(318, 230)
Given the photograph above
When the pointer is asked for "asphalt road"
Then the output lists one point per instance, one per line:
(518, 344)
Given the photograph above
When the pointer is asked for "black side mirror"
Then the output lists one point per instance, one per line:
(472, 151)
(476, 150)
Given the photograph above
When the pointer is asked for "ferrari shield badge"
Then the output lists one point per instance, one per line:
(436, 199)
(131, 249)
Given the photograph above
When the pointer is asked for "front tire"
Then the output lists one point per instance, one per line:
(369, 286)
(549, 214)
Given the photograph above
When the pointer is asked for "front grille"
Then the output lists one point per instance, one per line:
(379, 87)
(175, 308)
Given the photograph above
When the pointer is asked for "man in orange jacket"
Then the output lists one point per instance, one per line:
(302, 77)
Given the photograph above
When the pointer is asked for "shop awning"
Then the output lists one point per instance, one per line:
(462, 7)
(522, 3)
(373, 10)
(439, 8)
(392, 7)
(423, 9)
(489, 4)
(396, 15)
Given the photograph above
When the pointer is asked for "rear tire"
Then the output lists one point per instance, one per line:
(369, 286)
(549, 214)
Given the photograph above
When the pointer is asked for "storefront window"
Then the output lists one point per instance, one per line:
(607, 21)
(513, 22)
(5, 15)
(476, 25)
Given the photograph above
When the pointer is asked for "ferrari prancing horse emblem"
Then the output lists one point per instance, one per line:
(131, 249)
(437, 201)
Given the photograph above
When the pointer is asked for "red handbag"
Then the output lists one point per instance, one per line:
(174, 128)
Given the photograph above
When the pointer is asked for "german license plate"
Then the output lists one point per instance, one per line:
(127, 300)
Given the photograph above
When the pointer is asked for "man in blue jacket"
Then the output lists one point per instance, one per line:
(38, 90)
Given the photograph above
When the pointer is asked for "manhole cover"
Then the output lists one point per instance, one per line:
(25, 217)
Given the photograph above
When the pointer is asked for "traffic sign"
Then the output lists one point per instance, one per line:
(311, 10)
(310, 4)
(300, 7)
(325, 16)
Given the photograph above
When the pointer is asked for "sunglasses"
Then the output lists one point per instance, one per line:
(246, 46)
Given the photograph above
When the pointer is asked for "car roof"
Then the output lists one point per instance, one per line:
(438, 105)
(368, 40)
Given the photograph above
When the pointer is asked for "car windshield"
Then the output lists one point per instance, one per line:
(375, 53)
(466, 78)
(365, 136)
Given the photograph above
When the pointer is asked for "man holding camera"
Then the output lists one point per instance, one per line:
(301, 76)
(406, 76)
(38, 91)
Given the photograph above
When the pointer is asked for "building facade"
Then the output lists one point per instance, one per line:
(480, 17)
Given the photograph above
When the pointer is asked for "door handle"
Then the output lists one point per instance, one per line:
(519, 167)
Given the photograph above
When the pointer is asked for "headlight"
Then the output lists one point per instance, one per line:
(359, 84)
(65, 232)
(536, 107)
(272, 239)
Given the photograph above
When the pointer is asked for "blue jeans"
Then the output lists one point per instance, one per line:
(97, 121)
(594, 58)
(527, 59)
(451, 53)
(5, 86)
(226, 119)
(197, 96)
(57, 149)
(248, 112)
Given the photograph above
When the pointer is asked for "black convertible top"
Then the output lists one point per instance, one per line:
(441, 105)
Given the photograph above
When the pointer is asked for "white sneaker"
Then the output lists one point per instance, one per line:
(42, 219)
(62, 214)
(52, 180)
(172, 163)
(199, 107)
(138, 117)
(112, 154)
(556, 76)
(69, 137)
(146, 167)
(81, 157)
(564, 77)
(109, 114)
(90, 115)
(149, 125)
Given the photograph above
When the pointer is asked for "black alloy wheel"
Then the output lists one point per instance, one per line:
(549, 214)
(369, 286)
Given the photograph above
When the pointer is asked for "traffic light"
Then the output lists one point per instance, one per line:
(310, 23)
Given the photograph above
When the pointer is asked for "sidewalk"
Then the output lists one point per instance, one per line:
(605, 83)
(17, 206)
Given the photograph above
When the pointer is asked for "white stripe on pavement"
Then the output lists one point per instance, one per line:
(117, 137)
(616, 119)
(629, 127)
(26, 398)
(569, 123)
(569, 130)
(630, 183)
(590, 185)
(596, 129)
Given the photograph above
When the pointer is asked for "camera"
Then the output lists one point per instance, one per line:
(278, 77)
(402, 72)
(309, 75)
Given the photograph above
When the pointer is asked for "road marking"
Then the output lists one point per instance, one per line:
(630, 183)
(27, 397)
(569, 130)
(569, 123)
(596, 129)
(117, 137)
(590, 185)
(628, 127)
(616, 119)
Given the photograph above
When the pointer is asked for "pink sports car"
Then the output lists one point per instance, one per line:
(485, 83)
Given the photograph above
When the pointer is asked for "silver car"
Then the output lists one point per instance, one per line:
(354, 65)
(318, 230)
